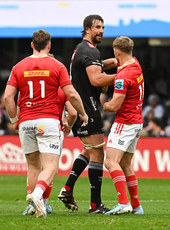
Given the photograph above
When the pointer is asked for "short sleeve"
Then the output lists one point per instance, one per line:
(92, 58)
(64, 77)
(121, 85)
(12, 79)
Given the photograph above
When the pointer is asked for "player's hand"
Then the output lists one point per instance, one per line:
(85, 119)
(66, 129)
(15, 126)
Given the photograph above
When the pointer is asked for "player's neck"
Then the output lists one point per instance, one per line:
(126, 59)
(40, 54)
(90, 40)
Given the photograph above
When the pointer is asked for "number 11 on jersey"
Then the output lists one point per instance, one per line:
(42, 85)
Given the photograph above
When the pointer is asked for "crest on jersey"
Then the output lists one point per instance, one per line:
(119, 84)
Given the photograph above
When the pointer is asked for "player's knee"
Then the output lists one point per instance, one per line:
(107, 164)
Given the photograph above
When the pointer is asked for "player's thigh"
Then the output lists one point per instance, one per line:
(95, 154)
(50, 160)
(61, 140)
(94, 139)
(113, 155)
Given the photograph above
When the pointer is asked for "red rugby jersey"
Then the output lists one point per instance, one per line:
(129, 81)
(38, 80)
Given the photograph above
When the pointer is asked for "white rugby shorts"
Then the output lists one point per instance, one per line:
(41, 135)
(124, 137)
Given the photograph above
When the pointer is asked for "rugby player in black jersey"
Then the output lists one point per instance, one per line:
(88, 78)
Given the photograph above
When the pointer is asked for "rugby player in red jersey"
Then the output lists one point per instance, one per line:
(125, 132)
(66, 123)
(37, 78)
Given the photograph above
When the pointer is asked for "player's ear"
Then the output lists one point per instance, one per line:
(32, 45)
(87, 30)
(49, 46)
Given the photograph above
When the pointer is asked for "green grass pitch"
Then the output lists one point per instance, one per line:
(154, 196)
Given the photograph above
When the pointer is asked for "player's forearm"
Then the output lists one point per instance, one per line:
(10, 107)
(71, 119)
(108, 107)
(75, 100)
(77, 104)
(72, 114)
(110, 63)
(9, 100)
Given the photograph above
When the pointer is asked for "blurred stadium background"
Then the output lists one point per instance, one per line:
(147, 22)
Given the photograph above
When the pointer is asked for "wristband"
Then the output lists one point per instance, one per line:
(14, 119)
(70, 126)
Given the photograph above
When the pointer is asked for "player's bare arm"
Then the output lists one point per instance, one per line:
(76, 102)
(97, 78)
(110, 63)
(115, 103)
(71, 118)
(9, 100)
(72, 114)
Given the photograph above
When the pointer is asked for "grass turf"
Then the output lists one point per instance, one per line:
(154, 196)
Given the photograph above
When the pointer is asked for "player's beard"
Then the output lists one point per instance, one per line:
(96, 40)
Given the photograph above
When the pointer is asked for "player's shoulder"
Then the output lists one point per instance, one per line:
(21, 63)
(86, 46)
(56, 62)
(26, 59)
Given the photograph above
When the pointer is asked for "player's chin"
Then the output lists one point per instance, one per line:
(98, 40)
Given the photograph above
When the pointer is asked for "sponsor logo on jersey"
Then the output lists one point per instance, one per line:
(40, 130)
(120, 142)
(84, 132)
(93, 103)
(140, 78)
(97, 62)
(53, 146)
(119, 84)
(28, 130)
(28, 104)
(37, 73)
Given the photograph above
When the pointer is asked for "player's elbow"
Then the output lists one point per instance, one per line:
(70, 92)
(97, 83)
(6, 99)
(72, 95)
